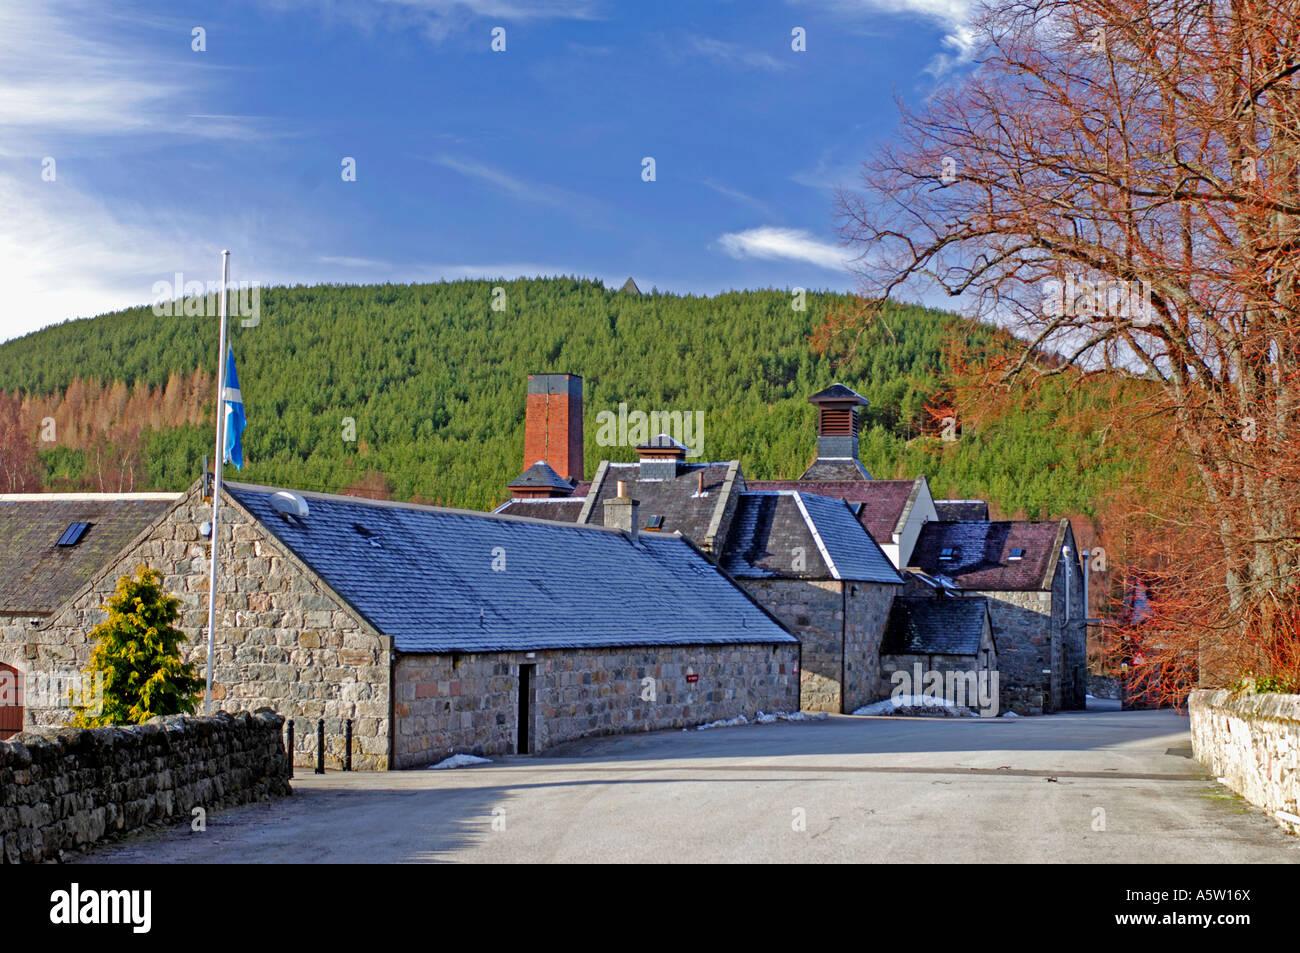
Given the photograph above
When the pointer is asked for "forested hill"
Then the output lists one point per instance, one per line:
(435, 380)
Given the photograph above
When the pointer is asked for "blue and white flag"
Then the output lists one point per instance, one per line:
(235, 421)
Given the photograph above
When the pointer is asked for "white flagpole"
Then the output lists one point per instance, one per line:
(216, 486)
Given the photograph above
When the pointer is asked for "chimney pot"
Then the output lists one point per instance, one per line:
(621, 512)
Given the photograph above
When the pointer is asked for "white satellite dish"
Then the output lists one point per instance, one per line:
(289, 504)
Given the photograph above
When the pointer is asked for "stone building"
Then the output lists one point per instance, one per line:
(946, 635)
(804, 557)
(51, 544)
(439, 631)
(1030, 574)
(1042, 647)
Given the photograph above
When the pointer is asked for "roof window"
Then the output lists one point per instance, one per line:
(72, 535)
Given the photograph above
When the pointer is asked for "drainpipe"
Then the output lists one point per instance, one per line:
(392, 705)
(1065, 553)
(1086, 555)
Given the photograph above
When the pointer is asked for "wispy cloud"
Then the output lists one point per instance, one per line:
(438, 18)
(733, 54)
(769, 243)
(826, 176)
(953, 16)
(508, 184)
(737, 196)
(62, 73)
(64, 254)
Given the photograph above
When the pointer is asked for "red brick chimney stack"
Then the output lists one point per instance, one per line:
(553, 427)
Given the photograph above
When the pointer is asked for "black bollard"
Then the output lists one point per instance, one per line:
(290, 747)
(320, 746)
(347, 746)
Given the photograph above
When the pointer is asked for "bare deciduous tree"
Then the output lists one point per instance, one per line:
(1119, 183)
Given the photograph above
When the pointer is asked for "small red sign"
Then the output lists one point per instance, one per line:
(692, 678)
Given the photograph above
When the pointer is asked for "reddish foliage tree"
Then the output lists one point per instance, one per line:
(1118, 181)
(372, 485)
(20, 467)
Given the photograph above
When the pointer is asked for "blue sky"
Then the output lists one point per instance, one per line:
(469, 162)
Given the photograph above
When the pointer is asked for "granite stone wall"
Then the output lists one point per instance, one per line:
(452, 704)
(986, 660)
(1022, 629)
(66, 789)
(1252, 742)
(1069, 683)
(840, 667)
(282, 640)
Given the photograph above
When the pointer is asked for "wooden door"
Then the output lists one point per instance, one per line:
(11, 701)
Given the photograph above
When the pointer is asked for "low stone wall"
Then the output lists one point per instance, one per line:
(1253, 743)
(66, 788)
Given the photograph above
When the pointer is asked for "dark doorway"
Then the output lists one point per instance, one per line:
(525, 709)
(11, 701)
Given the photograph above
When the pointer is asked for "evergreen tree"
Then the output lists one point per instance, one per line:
(137, 650)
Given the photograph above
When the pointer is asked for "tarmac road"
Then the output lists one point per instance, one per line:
(1092, 787)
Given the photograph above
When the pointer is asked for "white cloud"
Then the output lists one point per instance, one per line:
(770, 243)
(733, 54)
(438, 18)
(578, 206)
(736, 195)
(64, 254)
(63, 74)
(953, 16)
(498, 179)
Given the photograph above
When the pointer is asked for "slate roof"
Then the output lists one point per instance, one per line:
(952, 511)
(769, 526)
(982, 550)
(883, 500)
(563, 510)
(676, 499)
(835, 468)
(837, 392)
(424, 576)
(36, 575)
(940, 626)
(541, 476)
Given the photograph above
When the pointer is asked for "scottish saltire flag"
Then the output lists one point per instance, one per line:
(235, 421)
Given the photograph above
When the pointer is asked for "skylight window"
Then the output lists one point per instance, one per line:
(1016, 555)
(656, 522)
(948, 554)
(72, 535)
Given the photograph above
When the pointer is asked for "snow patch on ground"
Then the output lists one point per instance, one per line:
(762, 718)
(892, 706)
(727, 723)
(460, 761)
(1009, 714)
